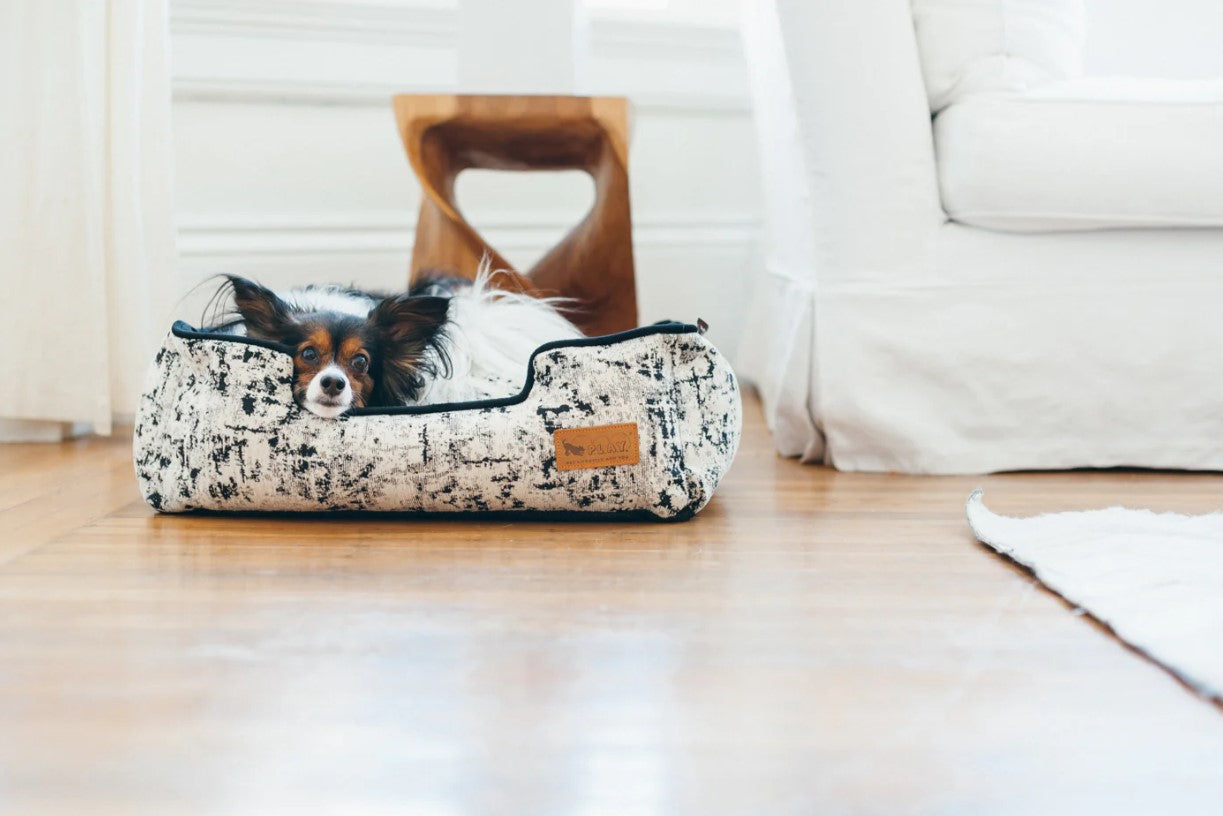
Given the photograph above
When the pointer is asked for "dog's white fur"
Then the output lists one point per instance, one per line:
(488, 338)
(328, 299)
(320, 403)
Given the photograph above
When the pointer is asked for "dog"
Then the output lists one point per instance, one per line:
(445, 340)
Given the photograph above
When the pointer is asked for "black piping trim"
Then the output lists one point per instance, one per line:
(186, 331)
(474, 516)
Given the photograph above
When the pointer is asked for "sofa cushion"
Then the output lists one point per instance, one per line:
(969, 46)
(1087, 154)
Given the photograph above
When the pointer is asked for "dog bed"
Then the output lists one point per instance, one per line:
(643, 423)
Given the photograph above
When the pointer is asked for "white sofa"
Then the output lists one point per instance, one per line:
(976, 259)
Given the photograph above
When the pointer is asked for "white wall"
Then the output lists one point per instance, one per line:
(1172, 39)
(289, 168)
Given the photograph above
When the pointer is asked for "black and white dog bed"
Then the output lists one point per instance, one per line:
(645, 422)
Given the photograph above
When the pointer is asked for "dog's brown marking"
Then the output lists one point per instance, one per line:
(351, 349)
(344, 352)
(319, 339)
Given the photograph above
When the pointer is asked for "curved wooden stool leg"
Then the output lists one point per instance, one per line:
(593, 264)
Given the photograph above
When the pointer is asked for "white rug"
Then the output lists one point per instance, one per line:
(1155, 578)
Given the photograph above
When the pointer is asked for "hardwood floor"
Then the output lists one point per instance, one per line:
(814, 642)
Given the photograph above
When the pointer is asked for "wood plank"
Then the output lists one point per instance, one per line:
(47, 490)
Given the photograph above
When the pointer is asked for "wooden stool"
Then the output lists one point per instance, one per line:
(593, 264)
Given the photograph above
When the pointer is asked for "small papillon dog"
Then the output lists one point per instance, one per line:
(445, 340)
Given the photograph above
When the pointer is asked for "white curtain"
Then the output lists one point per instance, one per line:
(86, 218)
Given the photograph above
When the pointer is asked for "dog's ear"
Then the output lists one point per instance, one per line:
(407, 324)
(406, 327)
(266, 316)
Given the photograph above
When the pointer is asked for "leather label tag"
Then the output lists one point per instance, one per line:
(600, 446)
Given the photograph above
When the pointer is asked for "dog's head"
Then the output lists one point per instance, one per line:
(341, 361)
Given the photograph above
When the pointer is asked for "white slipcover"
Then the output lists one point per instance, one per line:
(893, 338)
(1085, 154)
(971, 46)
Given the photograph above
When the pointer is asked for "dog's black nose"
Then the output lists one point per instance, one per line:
(332, 386)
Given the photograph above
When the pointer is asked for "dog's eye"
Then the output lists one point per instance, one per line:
(360, 363)
(310, 355)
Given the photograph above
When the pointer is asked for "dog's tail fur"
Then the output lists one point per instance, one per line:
(491, 334)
